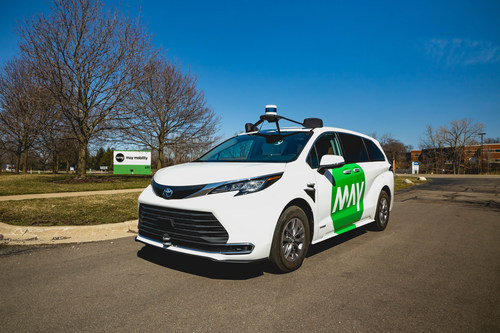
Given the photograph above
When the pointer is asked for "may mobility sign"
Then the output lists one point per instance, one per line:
(132, 162)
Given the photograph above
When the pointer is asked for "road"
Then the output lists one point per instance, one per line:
(435, 268)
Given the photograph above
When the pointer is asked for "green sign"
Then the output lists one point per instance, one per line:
(132, 162)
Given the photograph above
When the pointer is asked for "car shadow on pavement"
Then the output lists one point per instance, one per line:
(201, 266)
(332, 242)
(232, 271)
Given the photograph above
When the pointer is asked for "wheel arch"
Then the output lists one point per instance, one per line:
(387, 190)
(302, 204)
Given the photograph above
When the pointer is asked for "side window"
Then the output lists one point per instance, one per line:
(354, 148)
(326, 144)
(374, 152)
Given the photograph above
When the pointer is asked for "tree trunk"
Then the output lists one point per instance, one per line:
(82, 159)
(18, 162)
(25, 161)
(55, 167)
(161, 157)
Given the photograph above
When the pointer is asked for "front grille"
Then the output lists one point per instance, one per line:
(193, 229)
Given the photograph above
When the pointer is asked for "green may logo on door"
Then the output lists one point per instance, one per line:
(347, 197)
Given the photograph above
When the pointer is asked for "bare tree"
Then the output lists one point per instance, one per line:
(394, 149)
(58, 144)
(25, 110)
(461, 133)
(170, 114)
(89, 59)
(448, 143)
(492, 140)
(434, 142)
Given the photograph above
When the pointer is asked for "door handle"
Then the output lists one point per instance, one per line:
(356, 170)
(347, 172)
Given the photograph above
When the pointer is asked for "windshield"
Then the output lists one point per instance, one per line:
(258, 147)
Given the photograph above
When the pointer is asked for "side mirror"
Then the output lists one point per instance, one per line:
(330, 162)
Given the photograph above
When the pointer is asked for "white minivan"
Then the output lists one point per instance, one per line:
(269, 194)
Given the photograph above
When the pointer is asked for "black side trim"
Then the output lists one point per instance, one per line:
(179, 192)
(311, 192)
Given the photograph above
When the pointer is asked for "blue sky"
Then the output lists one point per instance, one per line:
(374, 66)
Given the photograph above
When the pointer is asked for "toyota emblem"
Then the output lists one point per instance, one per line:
(168, 192)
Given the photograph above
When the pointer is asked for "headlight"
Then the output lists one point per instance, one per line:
(247, 186)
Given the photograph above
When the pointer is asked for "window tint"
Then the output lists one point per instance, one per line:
(374, 152)
(353, 147)
(259, 148)
(326, 144)
(239, 151)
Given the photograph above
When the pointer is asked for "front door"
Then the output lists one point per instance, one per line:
(339, 191)
(347, 196)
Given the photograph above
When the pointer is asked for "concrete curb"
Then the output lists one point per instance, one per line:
(16, 235)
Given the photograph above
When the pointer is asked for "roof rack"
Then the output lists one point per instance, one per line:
(271, 116)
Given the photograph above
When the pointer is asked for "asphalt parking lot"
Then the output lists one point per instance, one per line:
(435, 268)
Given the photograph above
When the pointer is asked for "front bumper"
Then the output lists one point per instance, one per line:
(247, 223)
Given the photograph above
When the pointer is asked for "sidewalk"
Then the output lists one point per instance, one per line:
(65, 194)
(22, 235)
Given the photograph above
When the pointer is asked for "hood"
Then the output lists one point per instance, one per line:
(197, 173)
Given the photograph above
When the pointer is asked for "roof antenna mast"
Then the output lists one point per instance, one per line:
(271, 116)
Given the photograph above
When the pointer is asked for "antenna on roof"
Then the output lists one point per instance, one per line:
(271, 116)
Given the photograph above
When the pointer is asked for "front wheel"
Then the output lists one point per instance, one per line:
(291, 240)
(382, 214)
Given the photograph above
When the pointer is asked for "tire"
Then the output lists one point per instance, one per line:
(383, 212)
(291, 240)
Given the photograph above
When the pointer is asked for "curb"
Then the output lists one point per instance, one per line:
(23, 235)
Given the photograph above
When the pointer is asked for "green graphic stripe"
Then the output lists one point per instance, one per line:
(345, 229)
(347, 197)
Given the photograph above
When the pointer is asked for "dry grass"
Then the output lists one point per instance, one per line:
(12, 184)
(86, 210)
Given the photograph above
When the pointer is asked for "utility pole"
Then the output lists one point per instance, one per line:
(481, 165)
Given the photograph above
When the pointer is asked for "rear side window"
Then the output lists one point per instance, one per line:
(353, 148)
(374, 152)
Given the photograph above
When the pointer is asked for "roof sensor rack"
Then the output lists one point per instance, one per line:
(271, 116)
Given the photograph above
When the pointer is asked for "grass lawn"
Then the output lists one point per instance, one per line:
(86, 210)
(13, 184)
(399, 182)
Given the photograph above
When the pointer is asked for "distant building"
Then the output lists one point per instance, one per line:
(440, 160)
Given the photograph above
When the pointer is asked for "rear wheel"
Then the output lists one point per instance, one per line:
(382, 214)
(291, 240)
